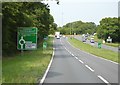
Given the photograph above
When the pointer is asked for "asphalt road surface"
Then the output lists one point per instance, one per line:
(115, 49)
(71, 65)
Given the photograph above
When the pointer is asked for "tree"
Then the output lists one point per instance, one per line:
(108, 27)
(80, 27)
(23, 14)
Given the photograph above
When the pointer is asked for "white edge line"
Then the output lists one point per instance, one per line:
(89, 68)
(94, 55)
(103, 79)
(81, 61)
(46, 72)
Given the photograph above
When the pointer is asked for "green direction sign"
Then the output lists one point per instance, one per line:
(27, 38)
(99, 44)
(44, 45)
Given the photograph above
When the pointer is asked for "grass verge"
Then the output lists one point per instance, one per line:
(29, 67)
(110, 55)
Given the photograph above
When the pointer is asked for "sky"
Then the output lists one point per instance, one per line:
(84, 10)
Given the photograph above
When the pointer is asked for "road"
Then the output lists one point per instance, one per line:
(115, 49)
(71, 65)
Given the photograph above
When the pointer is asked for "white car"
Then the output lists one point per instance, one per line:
(58, 37)
(92, 40)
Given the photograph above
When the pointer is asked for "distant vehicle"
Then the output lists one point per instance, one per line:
(86, 35)
(83, 39)
(57, 35)
(92, 40)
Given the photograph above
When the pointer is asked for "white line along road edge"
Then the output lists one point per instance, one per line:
(92, 54)
(46, 72)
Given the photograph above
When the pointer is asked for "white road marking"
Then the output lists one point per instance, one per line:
(81, 61)
(76, 57)
(93, 55)
(72, 54)
(65, 48)
(104, 80)
(46, 72)
(89, 68)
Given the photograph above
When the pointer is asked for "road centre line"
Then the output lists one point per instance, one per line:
(89, 68)
(92, 54)
(81, 61)
(76, 57)
(104, 80)
(72, 54)
(100, 77)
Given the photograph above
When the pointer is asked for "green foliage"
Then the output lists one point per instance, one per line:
(53, 27)
(79, 27)
(107, 54)
(64, 31)
(27, 68)
(108, 27)
(23, 14)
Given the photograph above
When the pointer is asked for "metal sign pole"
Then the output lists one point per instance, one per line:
(22, 52)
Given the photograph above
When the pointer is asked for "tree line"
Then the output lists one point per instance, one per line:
(78, 27)
(24, 14)
(108, 27)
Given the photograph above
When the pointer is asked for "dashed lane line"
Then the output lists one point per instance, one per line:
(76, 57)
(89, 68)
(104, 80)
(72, 54)
(100, 77)
(92, 54)
(81, 61)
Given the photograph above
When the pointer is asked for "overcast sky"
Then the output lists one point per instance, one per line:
(84, 10)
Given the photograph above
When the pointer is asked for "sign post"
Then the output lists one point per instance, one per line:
(27, 38)
(44, 45)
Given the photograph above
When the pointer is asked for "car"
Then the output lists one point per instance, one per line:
(92, 40)
(83, 39)
(58, 37)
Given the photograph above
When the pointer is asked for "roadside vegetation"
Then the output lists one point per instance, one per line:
(106, 43)
(24, 14)
(109, 27)
(107, 54)
(28, 67)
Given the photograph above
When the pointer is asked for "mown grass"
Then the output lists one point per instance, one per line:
(28, 67)
(110, 55)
